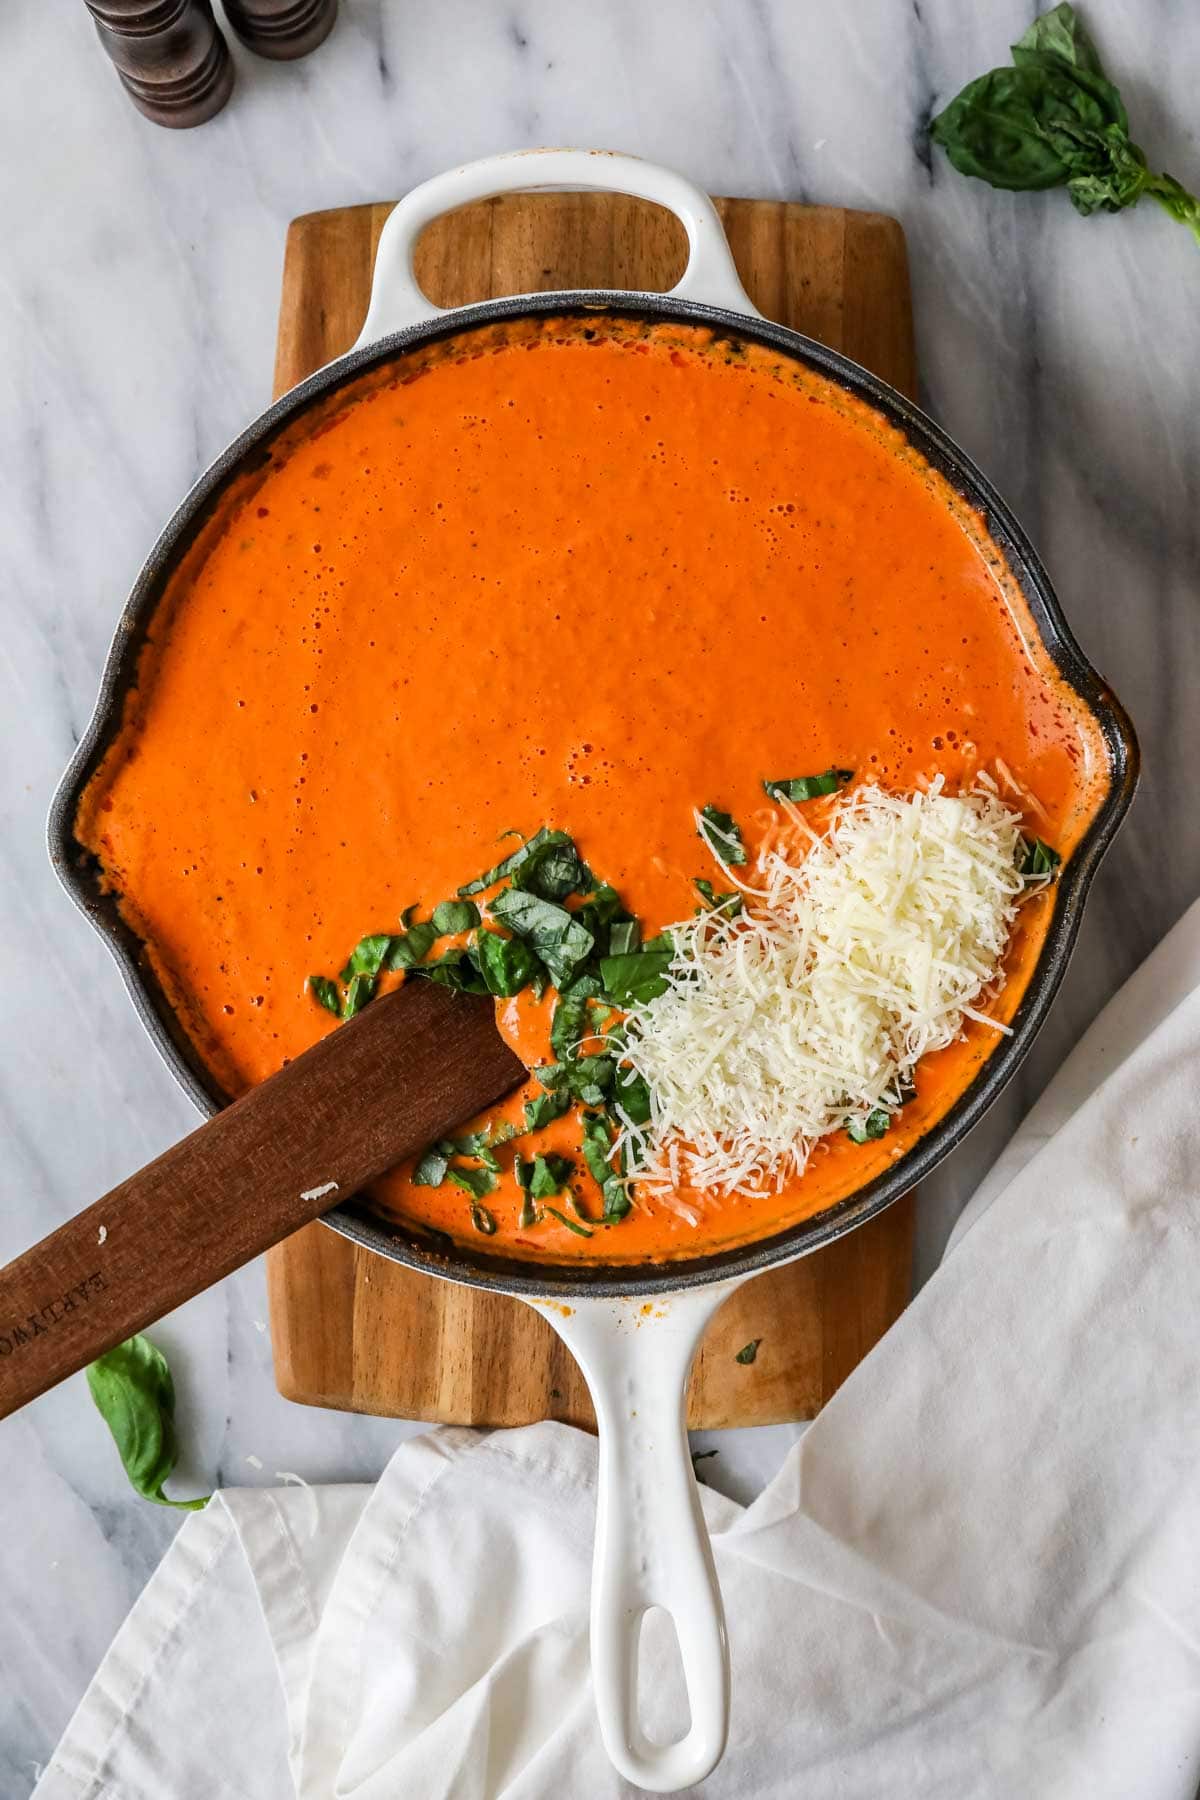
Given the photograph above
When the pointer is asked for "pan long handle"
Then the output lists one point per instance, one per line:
(397, 300)
(652, 1547)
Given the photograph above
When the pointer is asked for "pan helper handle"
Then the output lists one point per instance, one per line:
(652, 1547)
(396, 298)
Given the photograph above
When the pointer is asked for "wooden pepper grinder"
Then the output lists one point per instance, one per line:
(281, 29)
(173, 61)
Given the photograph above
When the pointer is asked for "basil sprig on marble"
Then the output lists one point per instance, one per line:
(135, 1396)
(1054, 119)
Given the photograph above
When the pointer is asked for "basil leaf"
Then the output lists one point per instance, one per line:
(457, 969)
(511, 863)
(540, 1111)
(730, 904)
(506, 964)
(722, 835)
(748, 1352)
(476, 1182)
(360, 990)
(554, 869)
(632, 1095)
(453, 916)
(325, 993)
(560, 941)
(528, 1216)
(597, 1147)
(625, 936)
(135, 1396)
(482, 1220)
(808, 787)
(368, 955)
(1061, 33)
(601, 910)
(570, 1022)
(588, 1075)
(632, 980)
(412, 946)
(478, 1144)
(1054, 119)
(550, 1176)
(571, 1224)
(1039, 859)
(431, 1169)
(597, 1153)
(875, 1125)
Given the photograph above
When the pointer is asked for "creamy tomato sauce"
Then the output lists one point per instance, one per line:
(583, 573)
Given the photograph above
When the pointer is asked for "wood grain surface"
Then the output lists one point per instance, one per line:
(349, 1329)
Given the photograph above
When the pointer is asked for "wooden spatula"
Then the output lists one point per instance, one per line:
(410, 1066)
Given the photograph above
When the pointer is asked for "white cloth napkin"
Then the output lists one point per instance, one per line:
(978, 1574)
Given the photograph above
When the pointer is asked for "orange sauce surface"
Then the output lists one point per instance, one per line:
(589, 574)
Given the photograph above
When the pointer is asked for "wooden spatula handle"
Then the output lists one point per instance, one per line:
(411, 1066)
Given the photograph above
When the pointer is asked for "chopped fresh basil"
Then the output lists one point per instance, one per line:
(624, 937)
(453, 916)
(597, 1154)
(570, 1022)
(431, 1169)
(477, 1144)
(540, 1111)
(476, 1182)
(571, 1224)
(457, 969)
(554, 870)
(360, 990)
(368, 955)
(560, 940)
(482, 1220)
(550, 1176)
(411, 947)
(875, 1125)
(600, 911)
(1039, 859)
(529, 1215)
(511, 863)
(632, 1095)
(506, 964)
(590, 1076)
(636, 978)
(730, 904)
(325, 993)
(748, 1352)
(808, 787)
(722, 835)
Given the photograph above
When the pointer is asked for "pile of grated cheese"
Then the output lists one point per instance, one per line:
(858, 952)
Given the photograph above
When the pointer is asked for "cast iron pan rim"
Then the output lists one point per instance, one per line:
(550, 1280)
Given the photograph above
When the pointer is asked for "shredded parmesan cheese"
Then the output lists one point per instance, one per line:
(856, 957)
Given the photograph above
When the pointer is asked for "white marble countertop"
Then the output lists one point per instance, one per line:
(140, 283)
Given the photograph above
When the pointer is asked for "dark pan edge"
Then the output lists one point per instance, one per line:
(79, 874)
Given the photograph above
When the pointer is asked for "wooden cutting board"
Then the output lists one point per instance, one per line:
(349, 1329)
